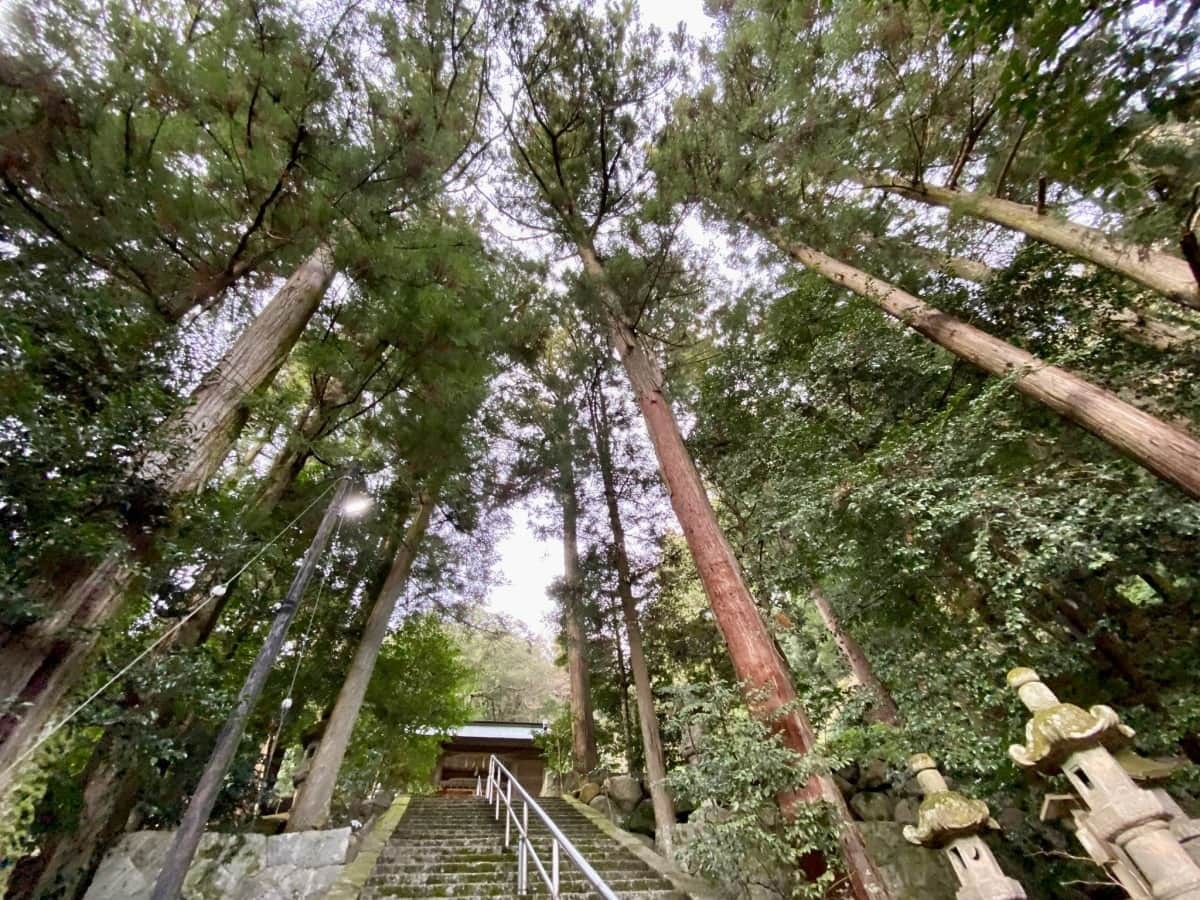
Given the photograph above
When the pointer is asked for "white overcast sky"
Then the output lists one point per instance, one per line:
(666, 14)
(528, 564)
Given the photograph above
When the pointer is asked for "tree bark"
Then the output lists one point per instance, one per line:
(255, 449)
(310, 809)
(963, 267)
(1168, 452)
(623, 685)
(656, 767)
(885, 710)
(1135, 325)
(1162, 272)
(583, 726)
(1147, 330)
(40, 664)
(756, 659)
(65, 864)
(199, 438)
(966, 268)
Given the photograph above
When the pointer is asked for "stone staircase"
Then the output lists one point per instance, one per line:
(453, 847)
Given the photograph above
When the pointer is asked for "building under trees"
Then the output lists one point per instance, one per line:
(847, 353)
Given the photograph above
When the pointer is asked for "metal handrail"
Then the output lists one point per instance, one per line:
(498, 791)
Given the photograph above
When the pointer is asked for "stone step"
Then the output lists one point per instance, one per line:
(640, 895)
(484, 883)
(455, 848)
(506, 890)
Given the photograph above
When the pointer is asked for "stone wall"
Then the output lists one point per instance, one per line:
(882, 800)
(910, 872)
(228, 866)
(623, 799)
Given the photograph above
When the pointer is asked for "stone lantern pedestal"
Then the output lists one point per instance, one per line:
(951, 822)
(1124, 828)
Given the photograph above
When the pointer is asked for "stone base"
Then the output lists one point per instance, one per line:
(227, 866)
(910, 872)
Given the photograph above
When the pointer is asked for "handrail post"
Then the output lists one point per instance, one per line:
(523, 865)
(554, 870)
(498, 792)
(508, 817)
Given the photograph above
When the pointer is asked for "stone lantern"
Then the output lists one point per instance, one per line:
(951, 822)
(1124, 828)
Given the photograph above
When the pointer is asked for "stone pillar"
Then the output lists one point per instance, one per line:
(1185, 828)
(1125, 829)
(951, 822)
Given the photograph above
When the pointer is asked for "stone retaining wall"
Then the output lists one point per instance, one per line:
(228, 866)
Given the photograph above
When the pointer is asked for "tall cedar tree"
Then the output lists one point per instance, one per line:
(589, 82)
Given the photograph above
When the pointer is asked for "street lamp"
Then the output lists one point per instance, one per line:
(357, 505)
(187, 838)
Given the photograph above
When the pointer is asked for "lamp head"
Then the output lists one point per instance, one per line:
(356, 505)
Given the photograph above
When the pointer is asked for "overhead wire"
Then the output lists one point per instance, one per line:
(213, 594)
(287, 703)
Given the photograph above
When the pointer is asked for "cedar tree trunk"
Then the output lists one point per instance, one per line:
(756, 659)
(1162, 272)
(40, 664)
(656, 768)
(860, 667)
(583, 726)
(1169, 452)
(310, 808)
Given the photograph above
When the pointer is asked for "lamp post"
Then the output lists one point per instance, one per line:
(191, 828)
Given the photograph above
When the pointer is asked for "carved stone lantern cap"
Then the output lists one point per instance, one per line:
(1056, 730)
(944, 815)
(919, 762)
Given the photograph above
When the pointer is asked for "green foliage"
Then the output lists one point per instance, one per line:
(164, 166)
(683, 645)
(19, 810)
(555, 742)
(512, 674)
(1095, 74)
(738, 771)
(418, 693)
(957, 529)
(592, 80)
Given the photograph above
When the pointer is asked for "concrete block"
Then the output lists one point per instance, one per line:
(308, 849)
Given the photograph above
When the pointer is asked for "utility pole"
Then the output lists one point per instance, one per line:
(187, 838)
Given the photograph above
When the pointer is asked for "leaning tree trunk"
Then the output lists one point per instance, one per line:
(1133, 324)
(1170, 453)
(583, 726)
(40, 664)
(885, 710)
(328, 397)
(310, 809)
(1162, 272)
(756, 659)
(247, 457)
(656, 767)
